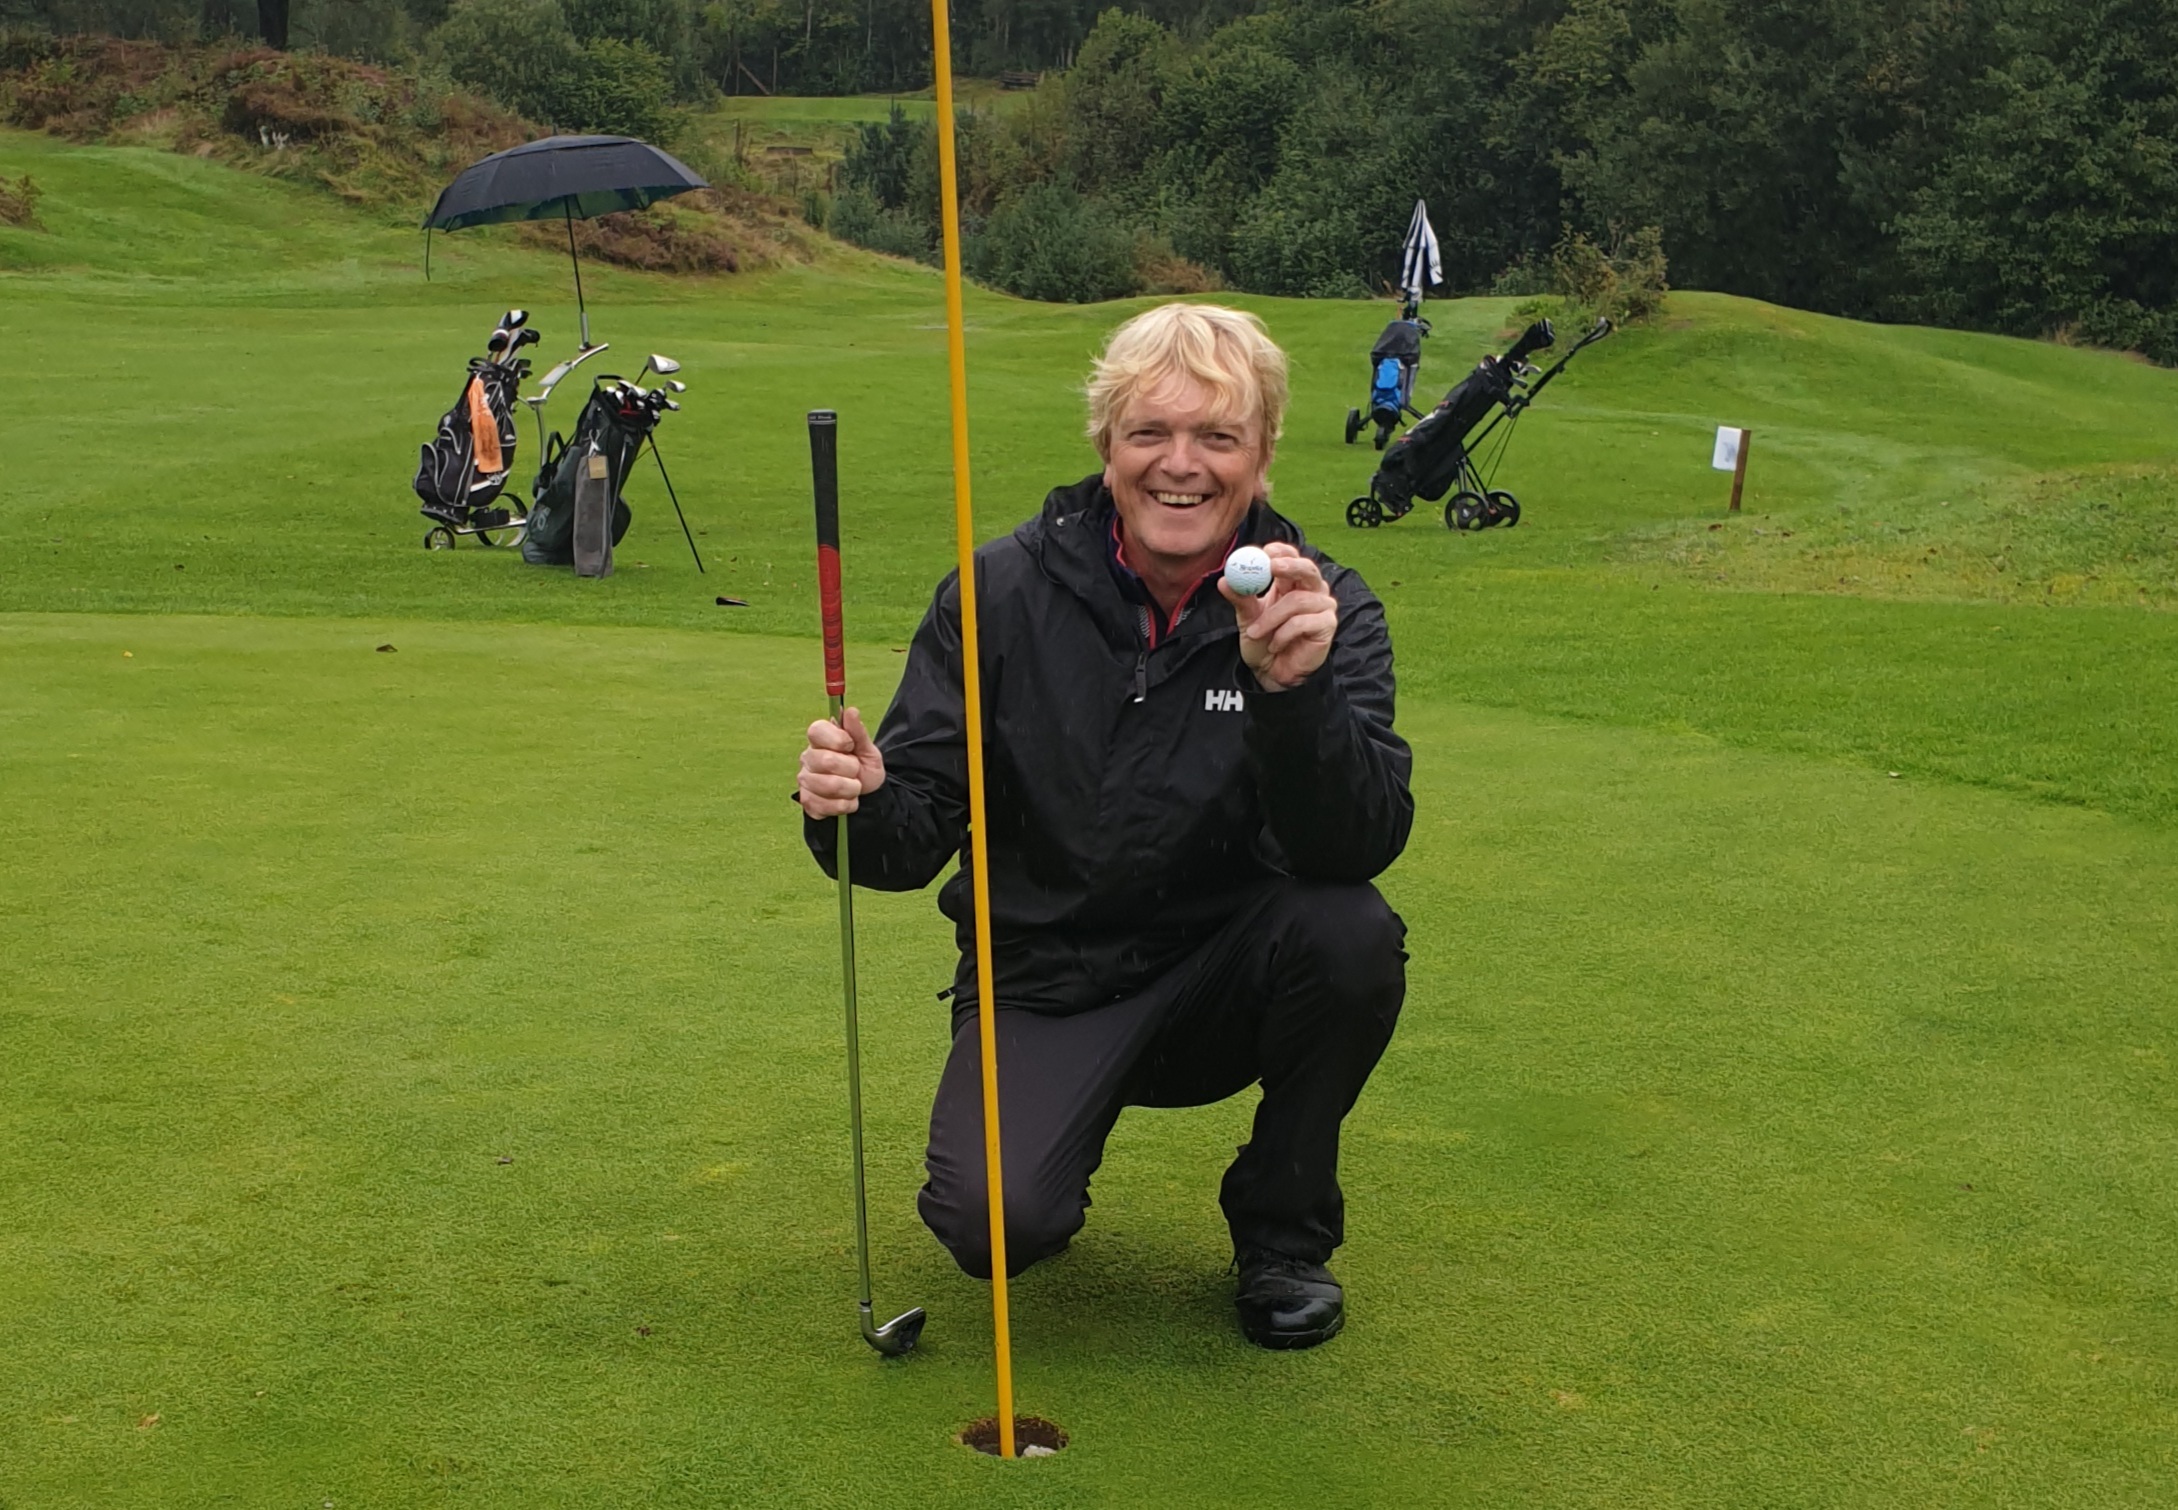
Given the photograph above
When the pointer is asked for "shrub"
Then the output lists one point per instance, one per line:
(19, 202)
(1047, 242)
(1158, 269)
(881, 158)
(619, 87)
(1624, 282)
(857, 217)
(519, 52)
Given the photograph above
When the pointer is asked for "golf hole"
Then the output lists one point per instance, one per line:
(1033, 1436)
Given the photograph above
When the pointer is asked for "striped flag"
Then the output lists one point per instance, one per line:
(1419, 264)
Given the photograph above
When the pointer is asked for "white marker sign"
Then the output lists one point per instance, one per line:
(1726, 457)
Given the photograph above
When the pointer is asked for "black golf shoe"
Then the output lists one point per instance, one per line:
(1286, 1302)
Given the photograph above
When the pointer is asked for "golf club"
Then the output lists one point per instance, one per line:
(900, 1334)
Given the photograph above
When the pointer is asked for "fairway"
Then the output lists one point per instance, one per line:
(424, 1073)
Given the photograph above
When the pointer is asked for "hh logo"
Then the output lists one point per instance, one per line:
(1222, 700)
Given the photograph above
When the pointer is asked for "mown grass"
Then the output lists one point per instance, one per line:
(1763, 1128)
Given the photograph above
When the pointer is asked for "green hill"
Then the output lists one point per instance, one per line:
(424, 1078)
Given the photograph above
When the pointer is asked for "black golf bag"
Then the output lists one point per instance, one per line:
(466, 465)
(1437, 456)
(587, 471)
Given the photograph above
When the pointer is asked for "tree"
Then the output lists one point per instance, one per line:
(272, 23)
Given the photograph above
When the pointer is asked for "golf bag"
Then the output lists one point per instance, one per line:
(466, 465)
(1438, 455)
(578, 508)
(1393, 362)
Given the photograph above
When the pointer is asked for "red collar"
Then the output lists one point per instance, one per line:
(1161, 625)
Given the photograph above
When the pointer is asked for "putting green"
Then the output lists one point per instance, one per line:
(423, 1069)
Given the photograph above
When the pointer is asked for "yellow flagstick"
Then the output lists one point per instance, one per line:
(964, 530)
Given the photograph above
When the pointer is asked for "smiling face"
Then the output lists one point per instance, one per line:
(1183, 471)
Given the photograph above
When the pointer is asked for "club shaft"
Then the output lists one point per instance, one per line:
(854, 1044)
(824, 477)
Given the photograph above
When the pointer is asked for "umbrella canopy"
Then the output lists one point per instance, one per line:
(561, 177)
(1419, 262)
(572, 176)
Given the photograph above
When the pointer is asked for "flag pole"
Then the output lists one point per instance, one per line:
(941, 40)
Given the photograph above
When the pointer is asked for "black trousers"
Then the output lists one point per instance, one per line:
(1300, 990)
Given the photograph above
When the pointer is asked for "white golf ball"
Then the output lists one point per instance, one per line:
(1248, 571)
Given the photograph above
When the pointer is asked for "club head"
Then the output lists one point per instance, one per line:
(497, 343)
(676, 385)
(897, 1336)
(527, 337)
(514, 319)
(663, 366)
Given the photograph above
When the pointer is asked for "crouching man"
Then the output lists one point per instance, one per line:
(1189, 794)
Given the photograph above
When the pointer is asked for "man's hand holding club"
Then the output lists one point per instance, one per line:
(840, 766)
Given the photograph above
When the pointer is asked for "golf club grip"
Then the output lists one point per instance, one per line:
(824, 472)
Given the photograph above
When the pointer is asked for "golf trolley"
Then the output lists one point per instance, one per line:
(1393, 361)
(1438, 455)
(462, 472)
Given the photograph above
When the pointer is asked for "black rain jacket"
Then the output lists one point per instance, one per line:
(1136, 796)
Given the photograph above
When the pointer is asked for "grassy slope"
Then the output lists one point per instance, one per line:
(1660, 1197)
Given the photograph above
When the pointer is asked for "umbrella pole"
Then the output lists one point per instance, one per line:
(582, 310)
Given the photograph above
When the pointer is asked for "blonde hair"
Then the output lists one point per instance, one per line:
(1226, 350)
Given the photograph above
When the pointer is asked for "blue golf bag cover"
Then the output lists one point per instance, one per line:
(1386, 397)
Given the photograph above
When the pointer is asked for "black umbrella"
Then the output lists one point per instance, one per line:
(568, 177)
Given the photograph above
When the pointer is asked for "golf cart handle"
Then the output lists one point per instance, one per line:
(824, 470)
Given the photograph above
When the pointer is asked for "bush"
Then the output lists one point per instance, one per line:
(1047, 242)
(857, 217)
(881, 158)
(619, 87)
(19, 202)
(519, 52)
(523, 54)
(1624, 283)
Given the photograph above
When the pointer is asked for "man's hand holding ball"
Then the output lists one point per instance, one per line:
(1287, 622)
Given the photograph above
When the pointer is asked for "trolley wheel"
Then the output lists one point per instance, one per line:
(1383, 436)
(506, 535)
(1505, 508)
(1363, 513)
(1462, 510)
(438, 538)
(1353, 425)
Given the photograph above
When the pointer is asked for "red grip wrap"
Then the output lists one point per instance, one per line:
(835, 637)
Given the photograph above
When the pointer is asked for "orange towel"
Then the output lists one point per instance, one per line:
(484, 426)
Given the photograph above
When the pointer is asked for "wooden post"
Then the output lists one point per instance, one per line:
(1739, 472)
